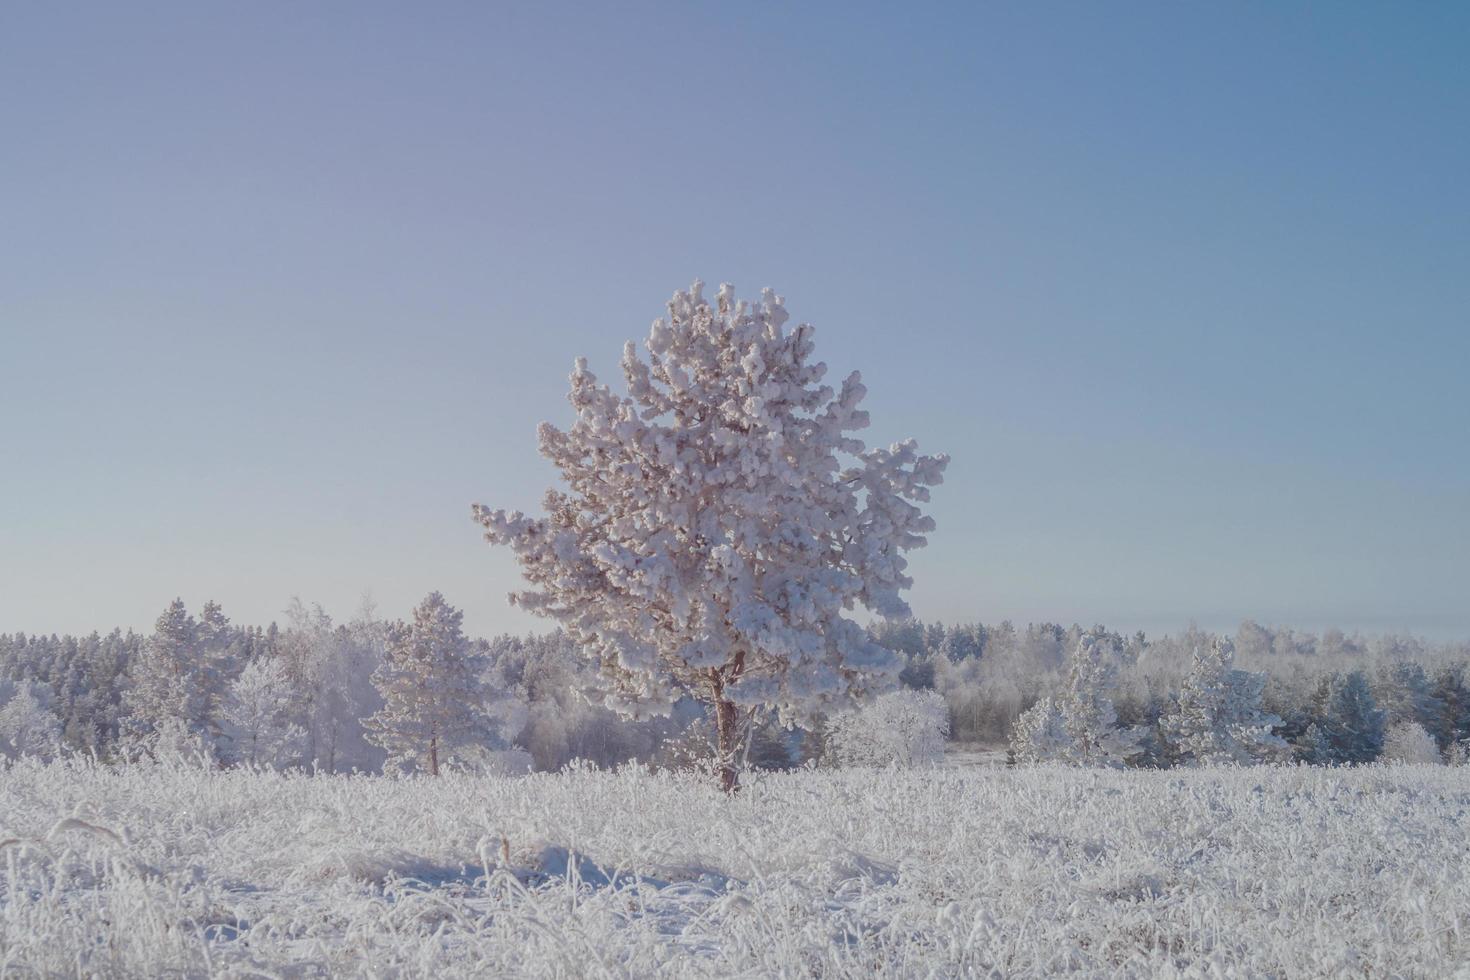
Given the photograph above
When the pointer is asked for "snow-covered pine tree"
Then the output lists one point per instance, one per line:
(28, 725)
(1218, 717)
(214, 631)
(430, 690)
(218, 654)
(1038, 734)
(1080, 725)
(1452, 691)
(1088, 716)
(1349, 718)
(712, 537)
(171, 679)
(1404, 691)
(1315, 747)
(71, 695)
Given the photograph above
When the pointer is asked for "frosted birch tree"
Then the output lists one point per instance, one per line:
(1410, 743)
(430, 689)
(718, 521)
(258, 715)
(330, 669)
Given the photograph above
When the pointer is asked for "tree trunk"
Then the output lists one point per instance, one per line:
(725, 724)
(434, 756)
(725, 728)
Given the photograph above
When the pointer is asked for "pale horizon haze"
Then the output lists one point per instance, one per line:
(1181, 289)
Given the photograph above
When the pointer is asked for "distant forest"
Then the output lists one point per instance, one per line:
(306, 693)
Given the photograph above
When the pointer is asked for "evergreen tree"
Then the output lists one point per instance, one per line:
(963, 642)
(1081, 725)
(430, 690)
(172, 680)
(1405, 692)
(219, 654)
(1315, 747)
(28, 725)
(721, 521)
(1452, 692)
(1040, 735)
(1088, 715)
(1349, 718)
(1218, 717)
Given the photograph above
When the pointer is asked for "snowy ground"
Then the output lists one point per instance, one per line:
(962, 756)
(956, 871)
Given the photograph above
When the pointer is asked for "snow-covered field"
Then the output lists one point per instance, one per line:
(942, 872)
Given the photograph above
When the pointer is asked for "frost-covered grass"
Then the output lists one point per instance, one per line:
(940, 872)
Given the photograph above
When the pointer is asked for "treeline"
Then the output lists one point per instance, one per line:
(315, 693)
(1334, 697)
(307, 694)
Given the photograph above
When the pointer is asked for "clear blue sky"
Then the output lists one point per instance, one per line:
(1184, 289)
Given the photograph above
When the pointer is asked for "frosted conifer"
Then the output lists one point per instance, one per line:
(1038, 735)
(27, 724)
(1079, 726)
(1350, 719)
(720, 521)
(172, 679)
(1088, 715)
(1219, 717)
(430, 690)
(1404, 691)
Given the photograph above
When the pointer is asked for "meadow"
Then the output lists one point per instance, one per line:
(171, 870)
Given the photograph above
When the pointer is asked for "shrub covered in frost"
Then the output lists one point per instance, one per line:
(1409, 742)
(903, 727)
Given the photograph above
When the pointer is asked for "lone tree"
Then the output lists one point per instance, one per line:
(431, 694)
(718, 522)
